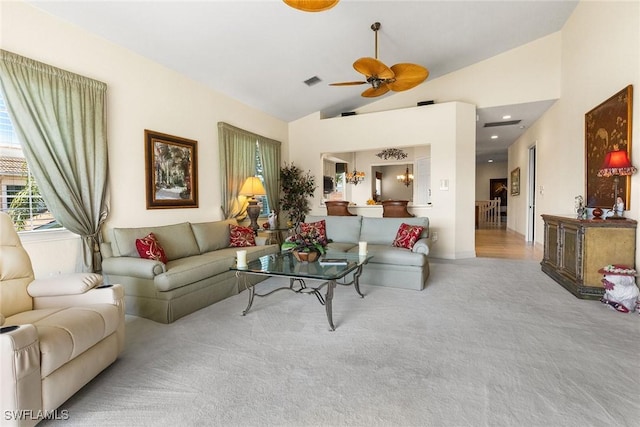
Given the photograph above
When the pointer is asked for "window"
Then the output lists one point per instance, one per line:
(262, 200)
(19, 193)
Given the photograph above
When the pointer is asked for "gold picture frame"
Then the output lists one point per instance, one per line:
(171, 170)
(607, 128)
(515, 182)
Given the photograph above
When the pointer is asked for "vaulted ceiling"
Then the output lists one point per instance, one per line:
(261, 52)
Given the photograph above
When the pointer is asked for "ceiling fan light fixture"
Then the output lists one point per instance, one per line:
(311, 5)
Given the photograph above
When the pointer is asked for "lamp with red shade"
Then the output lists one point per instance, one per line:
(616, 163)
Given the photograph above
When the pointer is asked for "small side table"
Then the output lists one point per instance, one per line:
(274, 235)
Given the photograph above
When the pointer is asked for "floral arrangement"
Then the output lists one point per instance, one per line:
(309, 241)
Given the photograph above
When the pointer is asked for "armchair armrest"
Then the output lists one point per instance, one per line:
(104, 294)
(421, 246)
(21, 387)
(136, 267)
(66, 284)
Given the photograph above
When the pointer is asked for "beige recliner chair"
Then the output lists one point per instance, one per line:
(57, 334)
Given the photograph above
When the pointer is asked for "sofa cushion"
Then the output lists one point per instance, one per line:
(320, 227)
(185, 271)
(407, 236)
(149, 248)
(65, 333)
(385, 254)
(383, 230)
(240, 236)
(341, 229)
(177, 240)
(213, 235)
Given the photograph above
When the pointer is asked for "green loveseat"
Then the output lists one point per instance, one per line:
(390, 266)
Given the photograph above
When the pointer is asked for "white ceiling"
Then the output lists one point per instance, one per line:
(261, 52)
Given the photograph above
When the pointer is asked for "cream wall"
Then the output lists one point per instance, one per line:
(141, 95)
(600, 56)
(449, 130)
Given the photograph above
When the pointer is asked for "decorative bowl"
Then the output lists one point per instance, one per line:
(306, 256)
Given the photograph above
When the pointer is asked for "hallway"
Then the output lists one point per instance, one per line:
(503, 243)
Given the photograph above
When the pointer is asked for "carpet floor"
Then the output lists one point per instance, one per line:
(487, 343)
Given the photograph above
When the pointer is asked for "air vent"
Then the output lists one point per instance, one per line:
(506, 123)
(348, 113)
(312, 81)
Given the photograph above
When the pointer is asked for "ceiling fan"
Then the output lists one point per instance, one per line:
(382, 79)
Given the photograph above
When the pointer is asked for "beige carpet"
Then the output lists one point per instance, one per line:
(487, 343)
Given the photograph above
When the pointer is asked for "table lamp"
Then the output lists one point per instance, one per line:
(253, 187)
(616, 163)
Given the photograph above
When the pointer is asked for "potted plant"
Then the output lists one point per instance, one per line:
(306, 245)
(296, 187)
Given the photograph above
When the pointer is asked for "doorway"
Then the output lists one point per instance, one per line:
(531, 196)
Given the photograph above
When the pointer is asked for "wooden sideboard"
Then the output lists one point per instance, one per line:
(574, 251)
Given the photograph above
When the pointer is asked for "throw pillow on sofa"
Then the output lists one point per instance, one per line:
(319, 226)
(241, 236)
(148, 247)
(407, 236)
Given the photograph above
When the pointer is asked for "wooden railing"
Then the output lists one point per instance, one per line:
(488, 213)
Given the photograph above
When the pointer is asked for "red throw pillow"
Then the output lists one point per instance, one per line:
(241, 236)
(319, 226)
(148, 247)
(407, 236)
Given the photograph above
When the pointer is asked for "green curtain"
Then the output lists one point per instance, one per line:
(238, 162)
(60, 119)
(270, 157)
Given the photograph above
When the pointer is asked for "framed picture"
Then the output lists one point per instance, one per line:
(171, 171)
(498, 188)
(607, 128)
(515, 182)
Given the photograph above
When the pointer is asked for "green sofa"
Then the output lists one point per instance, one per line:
(196, 274)
(390, 266)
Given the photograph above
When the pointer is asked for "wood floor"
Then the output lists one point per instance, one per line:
(503, 243)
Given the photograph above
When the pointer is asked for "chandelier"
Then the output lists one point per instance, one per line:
(355, 177)
(392, 153)
(407, 178)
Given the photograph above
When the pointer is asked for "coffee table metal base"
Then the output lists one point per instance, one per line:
(302, 288)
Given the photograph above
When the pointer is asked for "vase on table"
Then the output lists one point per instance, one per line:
(306, 256)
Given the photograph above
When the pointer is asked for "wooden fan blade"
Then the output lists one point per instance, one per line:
(407, 76)
(372, 92)
(347, 83)
(372, 67)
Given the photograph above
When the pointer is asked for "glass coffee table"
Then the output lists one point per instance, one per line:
(330, 271)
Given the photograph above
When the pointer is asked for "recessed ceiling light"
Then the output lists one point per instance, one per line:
(494, 136)
(490, 161)
(506, 117)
